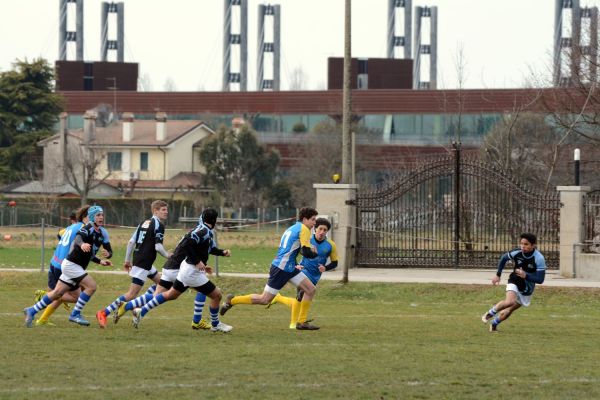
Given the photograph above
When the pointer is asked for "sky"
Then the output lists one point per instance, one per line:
(504, 43)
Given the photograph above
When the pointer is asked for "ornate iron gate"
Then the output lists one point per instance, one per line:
(453, 212)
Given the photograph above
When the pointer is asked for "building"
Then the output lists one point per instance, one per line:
(146, 158)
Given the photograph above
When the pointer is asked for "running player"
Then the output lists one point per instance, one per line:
(529, 269)
(83, 250)
(146, 242)
(284, 269)
(197, 245)
(67, 236)
(312, 268)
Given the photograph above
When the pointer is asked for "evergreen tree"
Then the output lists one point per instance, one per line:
(29, 110)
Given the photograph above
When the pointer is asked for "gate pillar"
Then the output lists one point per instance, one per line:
(571, 226)
(337, 201)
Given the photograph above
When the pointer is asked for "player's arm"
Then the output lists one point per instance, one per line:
(307, 249)
(129, 251)
(540, 271)
(107, 250)
(215, 251)
(333, 257)
(79, 242)
(161, 250)
(501, 263)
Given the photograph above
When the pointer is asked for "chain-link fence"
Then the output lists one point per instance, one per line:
(130, 212)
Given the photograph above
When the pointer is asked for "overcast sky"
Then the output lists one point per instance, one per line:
(504, 42)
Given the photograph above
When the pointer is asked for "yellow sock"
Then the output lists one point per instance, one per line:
(47, 313)
(304, 307)
(247, 299)
(295, 313)
(288, 301)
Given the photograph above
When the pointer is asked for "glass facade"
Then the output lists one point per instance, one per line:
(420, 128)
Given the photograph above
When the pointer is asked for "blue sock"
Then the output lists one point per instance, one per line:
(493, 311)
(81, 302)
(214, 316)
(40, 305)
(139, 301)
(155, 302)
(114, 305)
(151, 290)
(496, 321)
(198, 306)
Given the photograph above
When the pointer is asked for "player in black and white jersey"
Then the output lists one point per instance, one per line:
(145, 243)
(529, 269)
(83, 250)
(196, 245)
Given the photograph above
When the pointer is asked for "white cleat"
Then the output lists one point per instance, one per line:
(137, 317)
(221, 328)
(485, 318)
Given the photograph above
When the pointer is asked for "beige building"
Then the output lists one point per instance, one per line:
(138, 158)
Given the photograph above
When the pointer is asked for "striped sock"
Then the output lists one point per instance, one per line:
(139, 301)
(496, 321)
(155, 302)
(151, 290)
(214, 316)
(198, 306)
(40, 305)
(493, 311)
(114, 305)
(81, 302)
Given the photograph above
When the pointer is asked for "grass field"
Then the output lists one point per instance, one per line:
(378, 341)
(252, 251)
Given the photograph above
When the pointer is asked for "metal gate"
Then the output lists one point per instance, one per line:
(454, 212)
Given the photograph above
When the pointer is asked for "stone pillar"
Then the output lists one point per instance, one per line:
(571, 226)
(332, 201)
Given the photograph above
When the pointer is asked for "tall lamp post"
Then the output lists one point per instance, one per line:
(347, 97)
(576, 158)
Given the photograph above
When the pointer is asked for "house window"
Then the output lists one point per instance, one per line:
(143, 161)
(114, 161)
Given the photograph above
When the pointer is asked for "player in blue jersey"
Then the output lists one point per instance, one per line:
(196, 245)
(284, 269)
(67, 235)
(145, 243)
(83, 250)
(312, 268)
(529, 269)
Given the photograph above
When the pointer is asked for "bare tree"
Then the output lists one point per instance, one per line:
(145, 83)
(80, 171)
(169, 85)
(298, 79)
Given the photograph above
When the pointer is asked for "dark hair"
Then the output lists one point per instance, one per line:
(530, 237)
(307, 212)
(73, 216)
(323, 221)
(209, 216)
(82, 212)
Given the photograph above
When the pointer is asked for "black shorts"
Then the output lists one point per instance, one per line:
(206, 289)
(278, 277)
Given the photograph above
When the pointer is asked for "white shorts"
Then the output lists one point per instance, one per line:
(140, 273)
(71, 272)
(190, 276)
(523, 300)
(169, 275)
(296, 281)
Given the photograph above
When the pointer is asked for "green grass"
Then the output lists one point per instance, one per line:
(378, 341)
(243, 259)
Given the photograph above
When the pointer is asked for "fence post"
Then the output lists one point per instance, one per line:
(571, 226)
(277, 220)
(456, 146)
(43, 246)
(258, 219)
(240, 218)
(216, 257)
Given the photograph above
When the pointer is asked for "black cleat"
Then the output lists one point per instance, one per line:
(305, 326)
